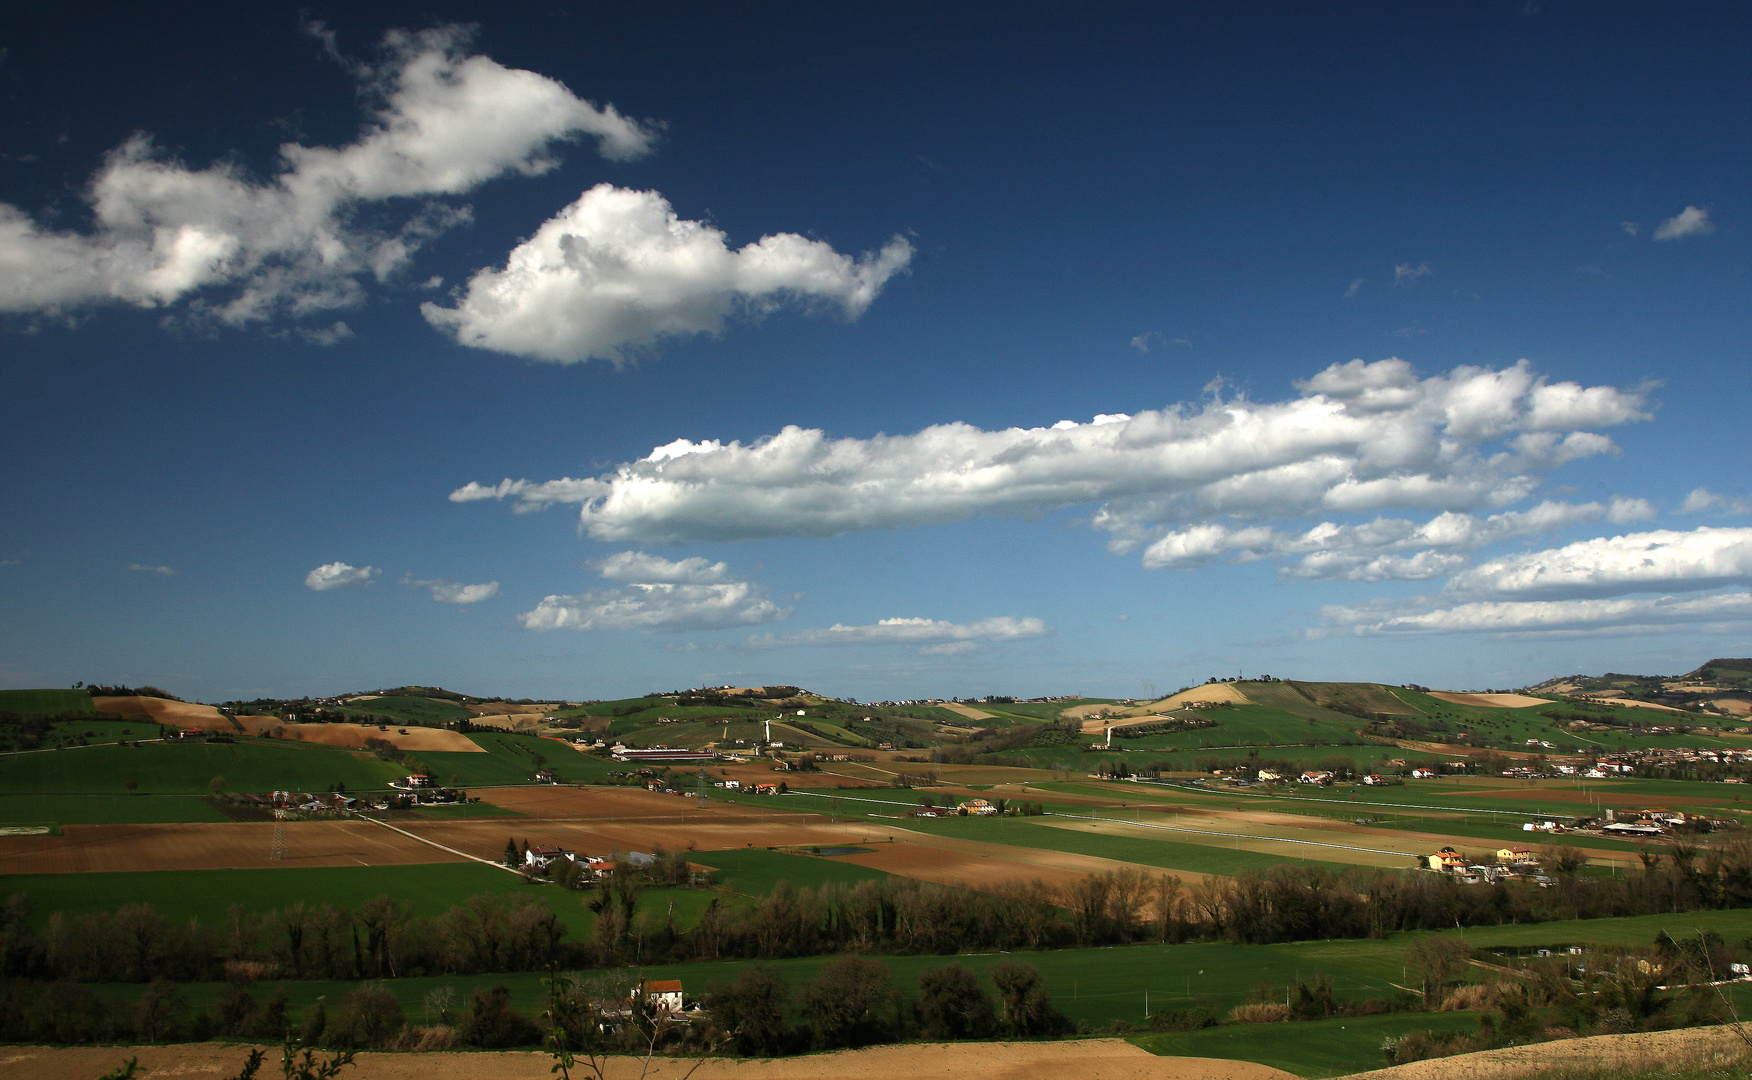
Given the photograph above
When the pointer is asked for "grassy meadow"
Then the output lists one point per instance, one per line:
(46, 702)
(188, 768)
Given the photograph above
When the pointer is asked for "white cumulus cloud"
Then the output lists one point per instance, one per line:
(1384, 548)
(1691, 221)
(638, 566)
(1702, 500)
(659, 594)
(1703, 558)
(442, 122)
(454, 592)
(1406, 273)
(337, 575)
(932, 636)
(656, 606)
(1358, 438)
(146, 569)
(618, 269)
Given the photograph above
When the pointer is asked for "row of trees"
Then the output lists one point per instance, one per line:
(854, 1001)
(383, 939)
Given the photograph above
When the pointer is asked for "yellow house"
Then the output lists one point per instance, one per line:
(1515, 855)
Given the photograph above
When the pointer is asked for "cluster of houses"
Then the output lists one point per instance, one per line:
(1511, 862)
(662, 755)
(967, 807)
(541, 858)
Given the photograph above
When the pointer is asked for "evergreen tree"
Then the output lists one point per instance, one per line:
(511, 857)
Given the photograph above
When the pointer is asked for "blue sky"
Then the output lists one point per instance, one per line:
(889, 350)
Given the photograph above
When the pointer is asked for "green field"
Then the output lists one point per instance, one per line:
(510, 759)
(1316, 1048)
(431, 889)
(106, 809)
(754, 871)
(46, 702)
(187, 768)
(208, 894)
(1102, 986)
(428, 712)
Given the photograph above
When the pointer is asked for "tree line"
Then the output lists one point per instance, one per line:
(382, 938)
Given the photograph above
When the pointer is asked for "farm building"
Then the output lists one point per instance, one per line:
(1447, 860)
(664, 994)
(664, 755)
(541, 857)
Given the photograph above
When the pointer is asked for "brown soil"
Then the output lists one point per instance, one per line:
(1086, 1059)
(1226, 692)
(90, 848)
(164, 711)
(1653, 1053)
(1491, 701)
(600, 821)
(514, 722)
(502, 708)
(1601, 794)
(355, 735)
(207, 718)
(1632, 703)
(970, 862)
(969, 711)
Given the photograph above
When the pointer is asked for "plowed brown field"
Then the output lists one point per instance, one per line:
(602, 820)
(1641, 1054)
(1491, 701)
(207, 718)
(238, 844)
(1083, 1059)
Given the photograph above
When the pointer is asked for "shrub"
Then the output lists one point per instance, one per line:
(492, 1023)
(1470, 997)
(1265, 1012)
(369, 1016)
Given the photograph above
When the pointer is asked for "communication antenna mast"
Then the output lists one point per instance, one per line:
(279, 850)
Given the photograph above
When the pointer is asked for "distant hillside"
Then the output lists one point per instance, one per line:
(1722, 686)
(1724, 672)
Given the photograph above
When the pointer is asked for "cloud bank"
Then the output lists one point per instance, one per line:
(338, 575)
(931, 636)
(442, 122)
(1384, 548)
(1664, 559)
(1358, 438)
(691, 594)
(1589, 587)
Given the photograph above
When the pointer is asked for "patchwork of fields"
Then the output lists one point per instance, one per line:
(125, 818)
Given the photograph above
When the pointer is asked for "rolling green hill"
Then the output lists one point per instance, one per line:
(187, 768)
(429, 712)
(46, 702)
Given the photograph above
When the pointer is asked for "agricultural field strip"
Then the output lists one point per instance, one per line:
(81, 746)
(436, 844)
(1354, 802)
(1232, 835)
(1165, 828)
